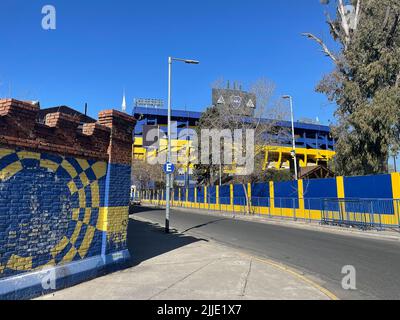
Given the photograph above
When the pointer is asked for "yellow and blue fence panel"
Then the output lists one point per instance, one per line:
(372, 200)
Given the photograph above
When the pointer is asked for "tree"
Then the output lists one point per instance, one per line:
(364, 84)
(266, 133)
(147, 176)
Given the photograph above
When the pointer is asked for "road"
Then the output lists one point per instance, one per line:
(319, 255)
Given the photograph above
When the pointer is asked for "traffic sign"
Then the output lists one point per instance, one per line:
(169, 168)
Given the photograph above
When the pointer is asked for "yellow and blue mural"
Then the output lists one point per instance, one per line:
(57, 210)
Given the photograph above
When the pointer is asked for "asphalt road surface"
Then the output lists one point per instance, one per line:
(319, 255)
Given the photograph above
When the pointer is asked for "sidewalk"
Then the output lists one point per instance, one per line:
(177, 267)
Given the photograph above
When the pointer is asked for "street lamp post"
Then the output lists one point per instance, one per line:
(290, 98)
(169, 153)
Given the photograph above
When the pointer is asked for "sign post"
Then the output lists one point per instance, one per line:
(169, 169)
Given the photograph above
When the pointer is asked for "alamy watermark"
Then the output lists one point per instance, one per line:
(48, 279)
(217, 147)
(349, 282)
(49, 21)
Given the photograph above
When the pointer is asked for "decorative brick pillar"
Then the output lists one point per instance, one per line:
(118, 183)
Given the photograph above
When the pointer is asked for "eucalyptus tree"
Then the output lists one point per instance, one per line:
(364, 83)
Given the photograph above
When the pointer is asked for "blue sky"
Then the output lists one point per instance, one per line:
(100, 47)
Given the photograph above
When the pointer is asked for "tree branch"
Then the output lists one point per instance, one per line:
(325, 49)
(357, 18)
(342, 13)
(345, 25)
(393, 30)
(386, 21)
(332, 25)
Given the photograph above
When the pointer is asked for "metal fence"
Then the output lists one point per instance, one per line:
(359, 213)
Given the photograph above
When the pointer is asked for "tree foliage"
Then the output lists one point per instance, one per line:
(364, 84)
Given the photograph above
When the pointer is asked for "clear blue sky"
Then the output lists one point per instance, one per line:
(100, 47)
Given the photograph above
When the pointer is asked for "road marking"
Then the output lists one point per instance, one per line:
(282, 267)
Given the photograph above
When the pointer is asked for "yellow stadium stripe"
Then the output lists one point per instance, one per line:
(301, 197)
(75, 214)
(340, 187)
(5, 152)
(272, 196)
(84, 179)
(22, 155)
(72, 187)
(59, 247)
(69, 168)
(18, 263)
(396, 195)
(70, 255)
(102, 220)
(83, 163)
(99, 169)
(82, 198)
(87, 240)
(50, 165)
(10, 171)
(396, 185)
(95, 194)
(76, 233)
(88, 214)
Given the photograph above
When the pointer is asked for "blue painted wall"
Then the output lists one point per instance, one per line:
(239, 196)
(225, 195)
(315, 191)
(260, 194)
(212, 194)
(369, 187)
(286, 193)
(200, 195)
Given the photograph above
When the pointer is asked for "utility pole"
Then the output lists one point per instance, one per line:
(290, 98)
(169, 152)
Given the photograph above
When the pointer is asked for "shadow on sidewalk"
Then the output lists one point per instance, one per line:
(147, 240)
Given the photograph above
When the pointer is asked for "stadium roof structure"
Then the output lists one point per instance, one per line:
(197, 115)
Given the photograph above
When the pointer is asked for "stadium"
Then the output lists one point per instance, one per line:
(314, 144)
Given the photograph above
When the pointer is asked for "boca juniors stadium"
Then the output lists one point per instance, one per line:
(314, 144)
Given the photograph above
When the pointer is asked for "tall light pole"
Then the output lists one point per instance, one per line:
(290, 98)
(169, 153)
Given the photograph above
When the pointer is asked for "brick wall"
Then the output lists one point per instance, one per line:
(64, 196)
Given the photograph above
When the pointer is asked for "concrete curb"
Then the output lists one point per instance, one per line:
(30, 285)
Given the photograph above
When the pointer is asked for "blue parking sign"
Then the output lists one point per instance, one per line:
(169, 168)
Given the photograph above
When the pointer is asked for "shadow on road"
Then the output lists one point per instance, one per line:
(203, 225)
(139, 209)
(147, 240)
